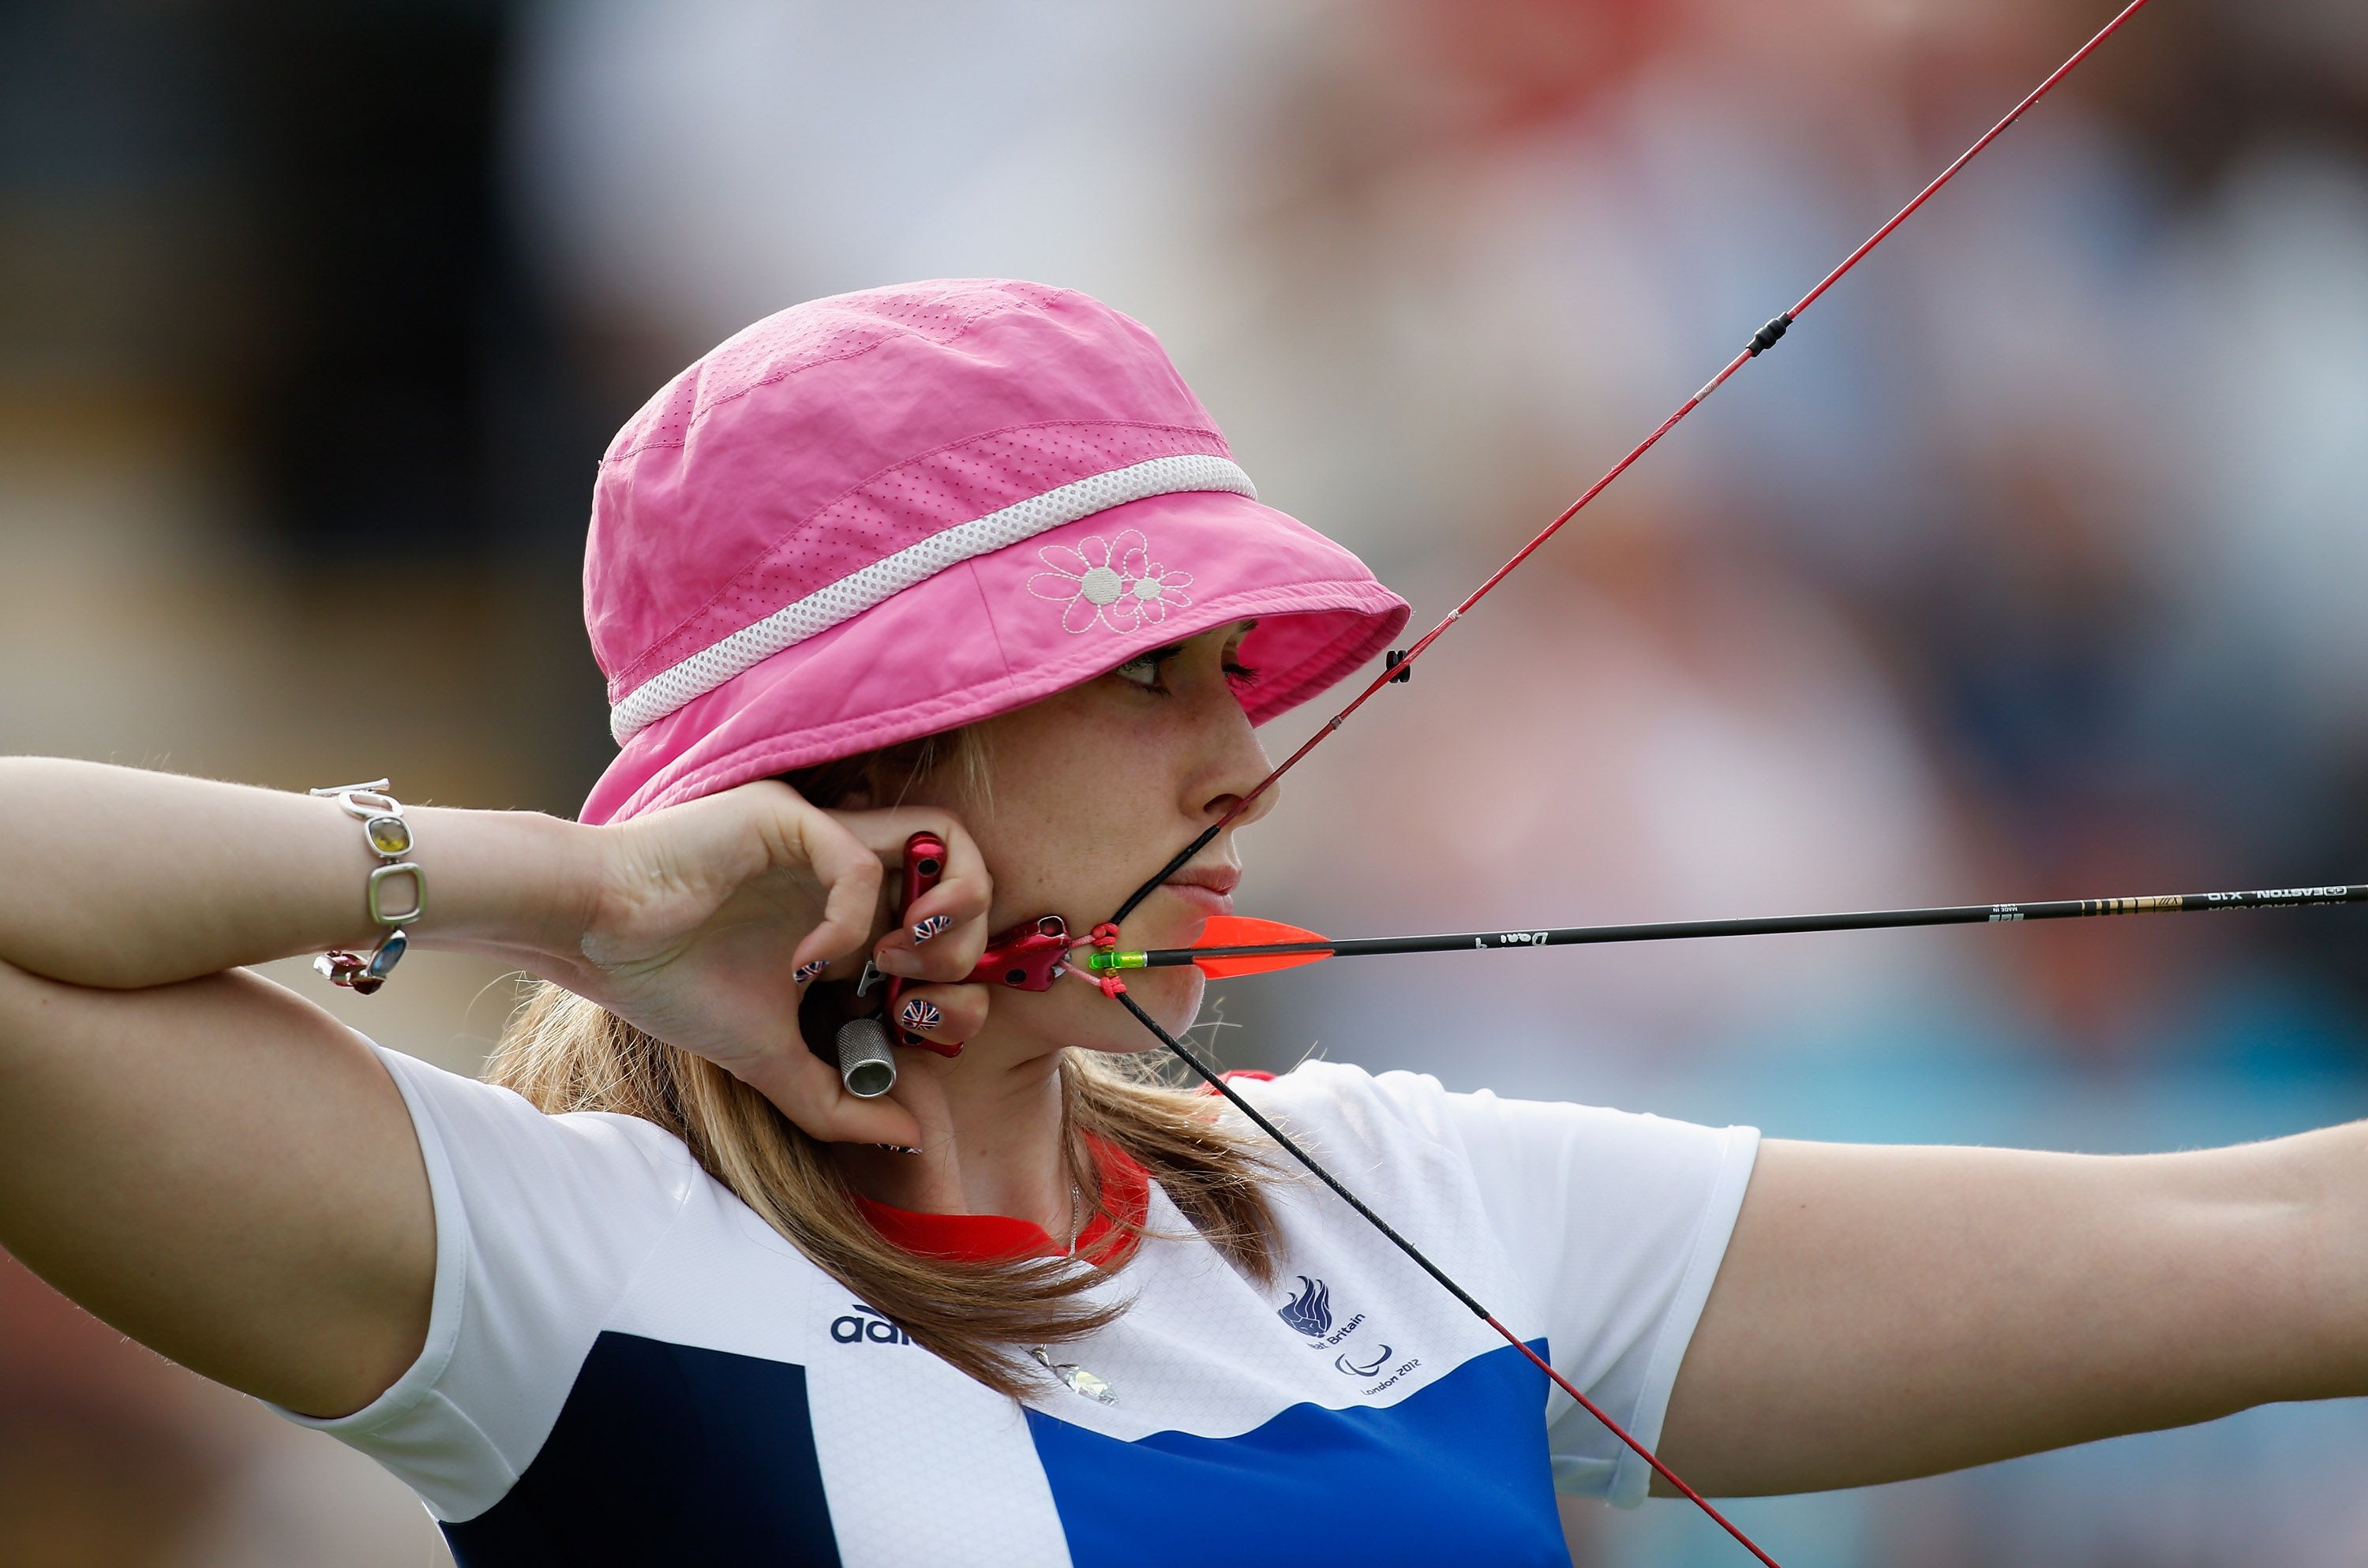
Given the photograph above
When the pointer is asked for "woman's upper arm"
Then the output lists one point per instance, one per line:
(224, 1172)
(1889, 1311)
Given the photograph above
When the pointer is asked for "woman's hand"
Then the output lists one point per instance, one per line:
(707, 911)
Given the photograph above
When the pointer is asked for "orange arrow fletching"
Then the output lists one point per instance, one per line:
(1244, 931)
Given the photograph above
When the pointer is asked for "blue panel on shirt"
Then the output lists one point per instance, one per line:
(1455, 1473)
(666, 1453)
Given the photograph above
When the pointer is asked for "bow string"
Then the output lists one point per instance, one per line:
(1398, 668)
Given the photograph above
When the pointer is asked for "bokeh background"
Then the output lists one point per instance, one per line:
(2028, 566)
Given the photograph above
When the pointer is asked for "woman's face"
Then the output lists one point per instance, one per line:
(1095, 788)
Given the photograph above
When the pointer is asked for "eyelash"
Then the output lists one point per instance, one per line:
(1240, 676)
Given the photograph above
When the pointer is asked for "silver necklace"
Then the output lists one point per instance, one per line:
(1077, 1224)
(1077, 1377)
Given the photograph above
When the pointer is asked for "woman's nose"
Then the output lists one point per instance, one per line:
(1242, 767)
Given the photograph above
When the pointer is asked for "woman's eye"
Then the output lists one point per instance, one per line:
(1147, 670)
(1143, 668)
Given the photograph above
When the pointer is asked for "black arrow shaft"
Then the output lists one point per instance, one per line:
(1778, 924)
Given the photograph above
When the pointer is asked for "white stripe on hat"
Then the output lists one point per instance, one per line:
(858, 591)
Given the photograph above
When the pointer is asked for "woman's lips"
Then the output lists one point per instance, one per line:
(1207, 900)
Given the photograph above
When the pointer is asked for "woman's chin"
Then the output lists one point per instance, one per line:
(1172, 997)
(1122, 1047)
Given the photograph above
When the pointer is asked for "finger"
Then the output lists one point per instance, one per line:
(951, 917)
(947, 1013)
(808, 1090)
(851, 871)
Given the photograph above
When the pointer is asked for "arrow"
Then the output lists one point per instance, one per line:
(1236, 945)
(1401, 668)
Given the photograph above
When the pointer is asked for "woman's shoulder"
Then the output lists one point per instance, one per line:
(467, 1120)
(1396, 1106)
(1394, 1101)
(587, 1197)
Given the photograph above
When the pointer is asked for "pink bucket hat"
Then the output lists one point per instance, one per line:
(881, 515)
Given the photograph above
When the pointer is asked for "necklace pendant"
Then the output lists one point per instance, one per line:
(1079, 1379)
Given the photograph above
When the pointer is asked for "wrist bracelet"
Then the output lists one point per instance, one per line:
(389, 837)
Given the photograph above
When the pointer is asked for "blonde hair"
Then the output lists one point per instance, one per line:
(564, 1053)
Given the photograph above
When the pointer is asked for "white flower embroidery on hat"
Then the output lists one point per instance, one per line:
(1113, 582)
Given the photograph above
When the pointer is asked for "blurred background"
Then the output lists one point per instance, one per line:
(2027, 567)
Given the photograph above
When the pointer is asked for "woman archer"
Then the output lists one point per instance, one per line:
(967, 558)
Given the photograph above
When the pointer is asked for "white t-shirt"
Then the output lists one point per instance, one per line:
(625, 1365)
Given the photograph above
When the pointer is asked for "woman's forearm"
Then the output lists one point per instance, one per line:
(122, 878)
(2330, 1168)
(1901, 1311)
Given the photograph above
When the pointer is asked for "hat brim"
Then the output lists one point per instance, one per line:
(1004, 628)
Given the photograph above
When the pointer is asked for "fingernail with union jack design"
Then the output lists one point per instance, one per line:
(924, 929)
(919, 1015)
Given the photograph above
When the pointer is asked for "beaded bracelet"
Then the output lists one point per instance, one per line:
(389, 837)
